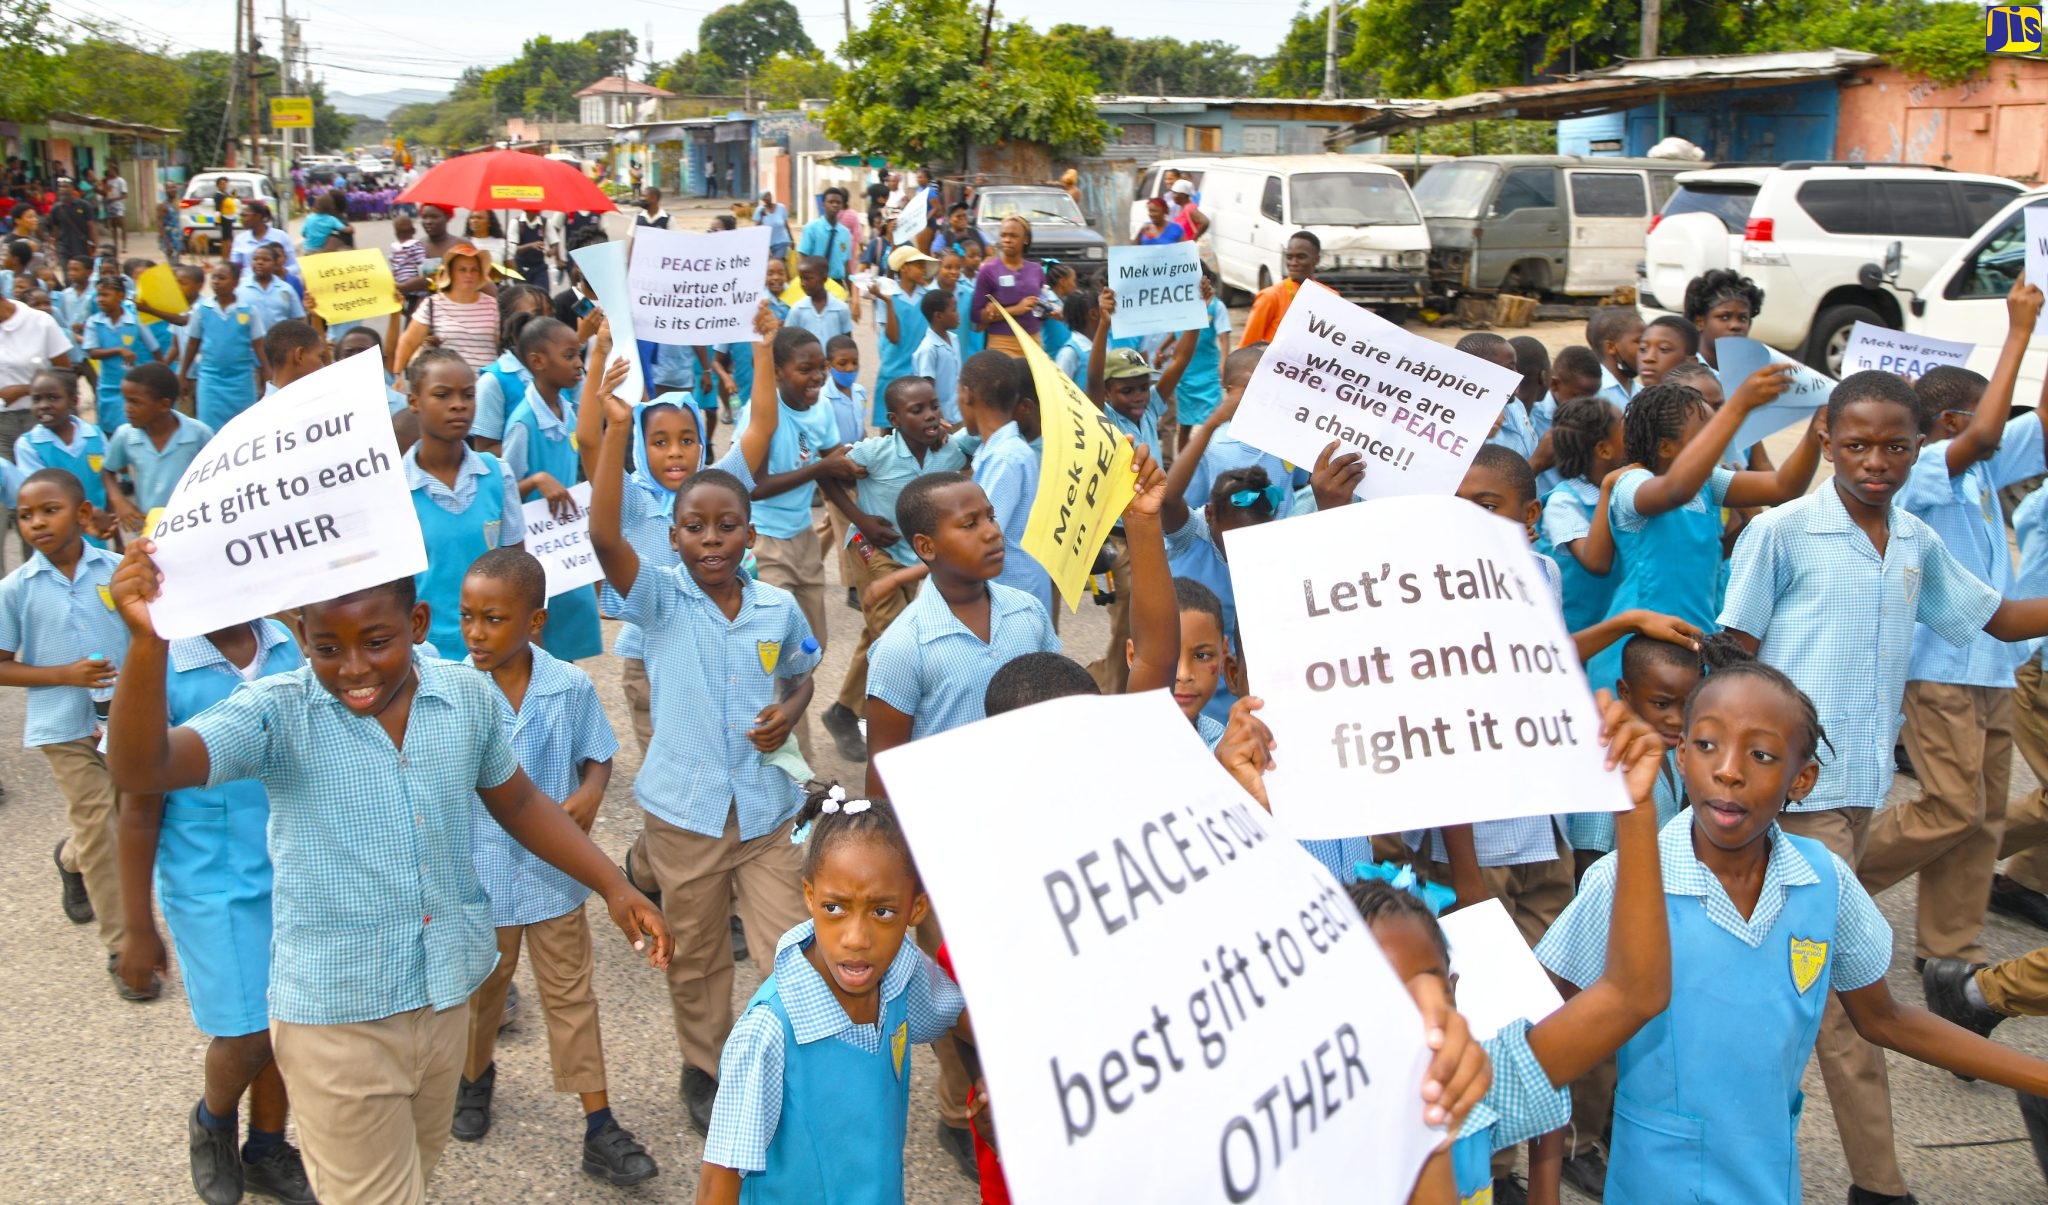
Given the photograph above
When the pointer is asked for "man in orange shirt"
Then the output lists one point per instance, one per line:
(1303, 250)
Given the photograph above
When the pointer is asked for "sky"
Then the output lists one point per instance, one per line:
(363, 46)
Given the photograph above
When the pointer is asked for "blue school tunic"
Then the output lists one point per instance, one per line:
(1566, 519)
(128, 334)
(227, 363)
(213, 874)
(971, 339)
(897, 356)
(572, 631)
(824, 1085)
(1670, 563)
(510, 378)
(454, 540)
(83, 459)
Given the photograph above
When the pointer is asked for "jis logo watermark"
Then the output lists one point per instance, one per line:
(2012, 29)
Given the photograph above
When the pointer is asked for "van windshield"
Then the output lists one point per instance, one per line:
(1454, 190)
(1351, 199)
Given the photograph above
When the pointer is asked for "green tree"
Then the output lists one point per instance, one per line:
(1942, 39)
(207, 118)
(696, 73)
(928, 82)
(31, 60)
(543, 81)
(748, 34)
(788, 78)
(1156, 66)
(110, 78)
(1296, 68)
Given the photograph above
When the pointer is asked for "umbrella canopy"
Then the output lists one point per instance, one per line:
(508, 180)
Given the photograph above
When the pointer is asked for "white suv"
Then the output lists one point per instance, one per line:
(1802, 230)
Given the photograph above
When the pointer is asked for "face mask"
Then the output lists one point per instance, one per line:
(844, 377)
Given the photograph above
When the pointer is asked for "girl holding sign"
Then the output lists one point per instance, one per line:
(540, 453)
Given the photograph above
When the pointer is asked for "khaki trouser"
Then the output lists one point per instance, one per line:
(13, 425)
(561, 970)
(1858, 1089)
(876, 618)
(90, 850)
(373, 1101)
(639, 700)
(2017, 987)
(700, 878)
(954, 1082)
(798, 566)
(1960, 739)
(830, 525)
(1113, 672)
(2025, 841)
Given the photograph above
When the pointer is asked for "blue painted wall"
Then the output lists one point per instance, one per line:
(1761, 125)
(1169, 134)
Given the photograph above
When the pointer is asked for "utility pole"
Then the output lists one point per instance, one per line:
(848, 6)
(1653, 16)
(1330, 53)
(288, 35)
(255, 88)
(242, 70)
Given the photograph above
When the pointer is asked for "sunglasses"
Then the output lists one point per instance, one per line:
(1248, 499)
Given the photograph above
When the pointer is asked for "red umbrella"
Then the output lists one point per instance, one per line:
(508, 180)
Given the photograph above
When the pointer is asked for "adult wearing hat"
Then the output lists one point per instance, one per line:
(899, 303)
(457, 313)
(1189, 216)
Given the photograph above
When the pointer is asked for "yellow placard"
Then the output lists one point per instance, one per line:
(291, 112)
(159, 290)
(1084, 476)
(517, 192)
(347, 285)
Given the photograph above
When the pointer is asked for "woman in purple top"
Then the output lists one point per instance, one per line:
(1157, 229)
(1008, 281)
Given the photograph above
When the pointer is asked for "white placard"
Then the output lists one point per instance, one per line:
(1499, 979)
(1875, 348)
(298, 499)
(1158, 289)
(604, 266)
(1740, 358)
(563, 548)
(1418, 410)
(915, 217)
(1415, 670)
(1154, 969)
(693, 290)
(2036, 218)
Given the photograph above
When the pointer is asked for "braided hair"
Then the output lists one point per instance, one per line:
(1709, 289)
(1576, 429)
(1722, 656)
(829, 817)
(1376, 898)
(1655, 415)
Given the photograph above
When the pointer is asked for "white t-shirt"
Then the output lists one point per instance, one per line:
(30, 341)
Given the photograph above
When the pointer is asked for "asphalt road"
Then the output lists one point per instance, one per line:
(101, 1088)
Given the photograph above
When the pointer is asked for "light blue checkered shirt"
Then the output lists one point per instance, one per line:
(1522, 1102)
(1965, 512)
(928, 666)
(1006, 468)
(1226, 453)
(708, 678)
(1568, 511)
(646, 521)
(491, 410)
(559, 726)
(377, 904)
(2030, 528)
(155, 473)
(890, 466)
(517, 449)
(49, 619)
(1576, 946)
(1621, 500)
(749, 1107)
(1807, 583)
(456, 499)
(1517, 429)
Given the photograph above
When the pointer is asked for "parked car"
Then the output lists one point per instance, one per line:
(1536, 224)
(1803, 231)
(1058, 231)
(196, 211)
(1964, 298)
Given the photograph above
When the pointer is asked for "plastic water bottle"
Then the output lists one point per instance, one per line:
(102, 696)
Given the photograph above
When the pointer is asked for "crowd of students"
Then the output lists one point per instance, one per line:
(353, 817)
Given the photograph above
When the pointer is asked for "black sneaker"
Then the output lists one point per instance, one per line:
(1587, 1172)
(1944, 982)
(121, 988)
(216, 1162)
(699, 1092)
(2020, 903)
(280, 1175)
(1903, 763)
(510, 1012)
(739, 940)
(77, 904)
(844, 726)
(652, 892)
(959, 1143)
(613, 1154)
(1863, 1196)
(1509, 1190)
(473, 1107)
(2034, 1112)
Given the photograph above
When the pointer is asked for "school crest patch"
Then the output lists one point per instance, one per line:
(127, 340)
(770, 652)
(242, 318)
(1808, 958)
(107, 596)
(94, 462)
(898, 1042)
(1483, 1197)
(491, 530)
(1912, 576)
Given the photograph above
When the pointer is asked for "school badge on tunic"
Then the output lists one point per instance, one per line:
(898, 1042)
(107, 596)
(94, 462)
(771, 654)
(491, 530)
(1808, 957)
(242, 318)
(127, 340)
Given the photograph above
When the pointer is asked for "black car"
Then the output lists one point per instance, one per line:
(1058, 231)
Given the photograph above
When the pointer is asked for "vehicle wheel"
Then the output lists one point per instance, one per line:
(1265, 280)
(1396, 314)
(1830, 337)
(1235, 298)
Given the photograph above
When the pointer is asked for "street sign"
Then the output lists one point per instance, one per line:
(291, 112)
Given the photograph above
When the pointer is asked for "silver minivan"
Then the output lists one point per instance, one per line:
(1537, 224)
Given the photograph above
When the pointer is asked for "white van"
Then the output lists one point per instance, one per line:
(1964, 299)
(1375, 246)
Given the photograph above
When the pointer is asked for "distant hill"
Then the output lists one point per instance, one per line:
(380, 105)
